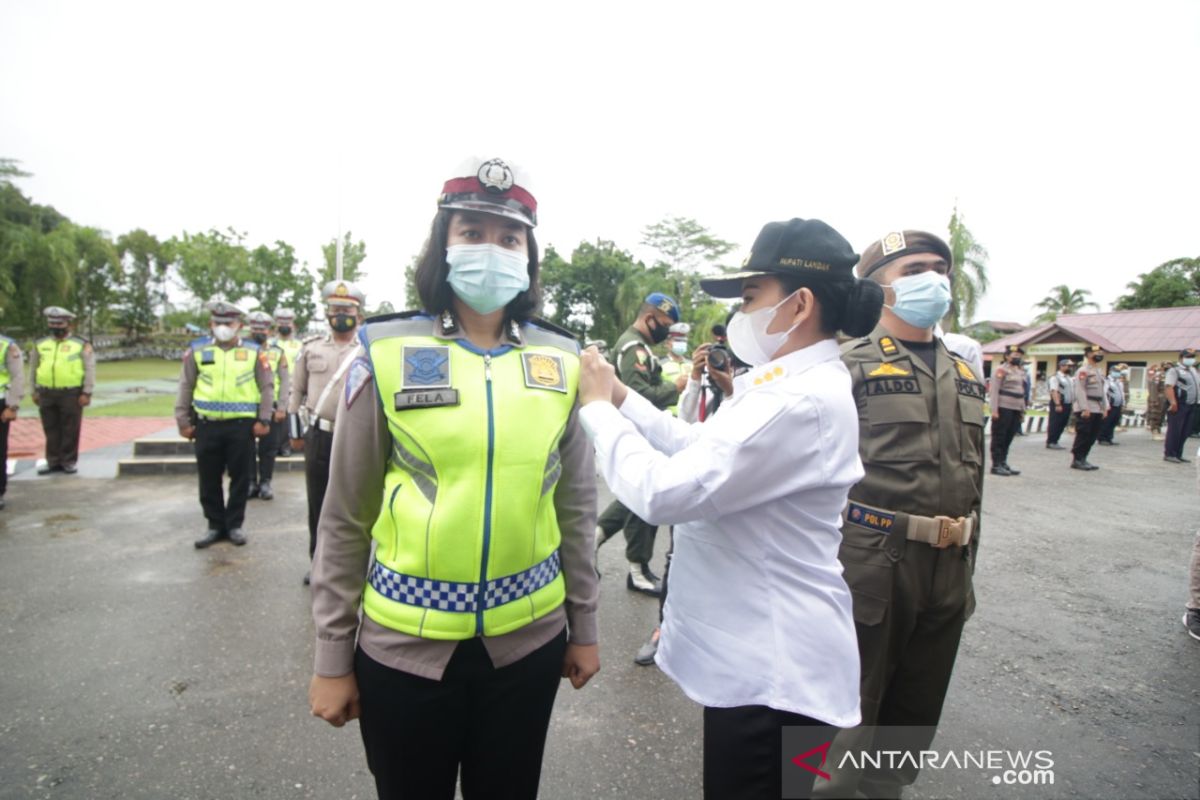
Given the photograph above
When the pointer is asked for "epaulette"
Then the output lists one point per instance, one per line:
(854, 344)
(200, 341)
(550, 326)
(249, 344)
(80, 339)
(315, 338)
(545, 332)
(413, 314)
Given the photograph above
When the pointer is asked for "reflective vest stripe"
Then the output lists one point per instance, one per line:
(463, 598)
(216, 405)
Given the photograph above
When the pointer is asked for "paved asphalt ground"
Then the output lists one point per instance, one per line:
(133, 666)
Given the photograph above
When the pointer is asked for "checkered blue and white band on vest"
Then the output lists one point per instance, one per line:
(462, 597)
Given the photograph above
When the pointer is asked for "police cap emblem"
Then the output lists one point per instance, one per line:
(495, 176)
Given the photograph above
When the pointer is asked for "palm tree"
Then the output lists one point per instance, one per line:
(969, 280)
(1063, 300)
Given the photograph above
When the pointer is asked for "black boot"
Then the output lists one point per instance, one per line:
(265, 492)
(210, 536)
(253, 490)
(237, 536)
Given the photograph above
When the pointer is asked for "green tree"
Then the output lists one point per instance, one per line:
(586, 292)
(353, 254)
(37, 264)
(412, 300)
(684, 244)
(1169, 285)
(213, 265)
(274, 280)
(970, 278)
(1063, 300)
(97, 276)
(143, 266)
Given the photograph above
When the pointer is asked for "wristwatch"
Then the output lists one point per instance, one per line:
(266, 422)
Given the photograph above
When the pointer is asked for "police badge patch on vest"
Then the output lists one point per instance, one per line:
(241, 355)
(890, 377)
(426, 367)
(207, 357)
(544, 372)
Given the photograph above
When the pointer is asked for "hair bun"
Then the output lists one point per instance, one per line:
(864, 303)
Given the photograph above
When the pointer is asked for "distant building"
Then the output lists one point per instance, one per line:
(1137, 338)
(990, 328)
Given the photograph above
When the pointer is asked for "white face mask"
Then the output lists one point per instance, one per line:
(679, 348)
(748, 335)
(224, 333)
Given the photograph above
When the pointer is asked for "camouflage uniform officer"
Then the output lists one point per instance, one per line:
(12, 389)
(285, 327)
(262, 461)
(912, 524)
(1091, 405)
(226, 394)
(1007, 400)
(313, 403)
(63, 370)
(641, 371)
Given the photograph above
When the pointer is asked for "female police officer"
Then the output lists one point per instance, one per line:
(458, 450)
(758, 625)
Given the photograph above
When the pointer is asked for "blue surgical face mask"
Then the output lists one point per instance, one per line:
(1189, 362)
(921, 299)
(486, 276)
(679, 348)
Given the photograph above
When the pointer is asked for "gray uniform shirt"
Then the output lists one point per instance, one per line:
(1008, 388)
(1185, 378)
(1064, 384)
(16, 376)
(1090, 395)
(362, 445)
(89, 368)
(315, 368)
(263, 376)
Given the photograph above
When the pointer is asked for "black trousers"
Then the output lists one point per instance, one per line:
(318, 445)
(62, 420)
(225, 446)
(1179, 427)
(744, 756)
(1109, 426)
(417, 732)
(1057, 423)
(266, 451)
(639, 534)
(3, 451)
(1086, 431)
(1003, 431)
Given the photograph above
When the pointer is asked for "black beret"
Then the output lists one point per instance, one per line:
(801, 248)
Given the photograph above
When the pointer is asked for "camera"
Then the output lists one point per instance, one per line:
(718, 358)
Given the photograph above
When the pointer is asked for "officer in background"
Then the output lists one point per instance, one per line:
(262, 467)
(1091, 404)
(12, 389)
(63, 368)
(285, 326)
(313, 403)
(676, 362)
(226, 396)
(1114, 386)
(1156, 400)
(1062, 400)
(642, 372)
(1007, 398)
(1182, 386)
(911, 529)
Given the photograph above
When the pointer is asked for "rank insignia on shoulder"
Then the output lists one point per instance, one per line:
(888, 346)
(544, 371)
(358, 377)
(449, 323)
(426, 367)
(425, 398)
(886, 370)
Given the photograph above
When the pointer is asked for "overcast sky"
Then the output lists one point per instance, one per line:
(1068, 133)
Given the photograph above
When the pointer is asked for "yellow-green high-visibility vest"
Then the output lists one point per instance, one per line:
(5, 378)
(671, 370)
(467, 537)
(273, 353)
(60, 363)
(226, 387)
(292, 348)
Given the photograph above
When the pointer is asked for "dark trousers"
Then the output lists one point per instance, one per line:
(1086, 431)
(492, 722)
(1179, 427)
(266, 450)
(666, 576)
(3, 451)
(1003, 431)
(1057, 423)
(62, 419)
(639, 534)
(318, 445)
(225, 446)
(1109, 426)
(744, 754)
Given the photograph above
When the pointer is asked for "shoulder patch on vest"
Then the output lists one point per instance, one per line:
(357, 377)
(544, 371)
(890, 377)
(426, 366)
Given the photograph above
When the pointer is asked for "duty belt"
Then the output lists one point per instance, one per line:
(323, 424)
(939, 532)
(462, 597)
(1013, 394)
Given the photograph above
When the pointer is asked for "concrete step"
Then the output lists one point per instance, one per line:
(167, 446)
(186, 465)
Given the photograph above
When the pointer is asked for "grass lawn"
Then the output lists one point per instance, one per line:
(140, 369)
(154, 405)
(141, 388)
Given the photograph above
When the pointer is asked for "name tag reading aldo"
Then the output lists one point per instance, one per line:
(426, 398)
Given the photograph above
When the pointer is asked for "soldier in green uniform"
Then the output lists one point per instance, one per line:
(12, 389)
(641, 371)
(262, 461)
(911, 528)
(63, 368)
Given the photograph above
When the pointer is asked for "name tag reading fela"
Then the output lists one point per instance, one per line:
(426, 398)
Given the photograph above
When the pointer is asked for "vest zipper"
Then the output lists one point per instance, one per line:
(480, 592)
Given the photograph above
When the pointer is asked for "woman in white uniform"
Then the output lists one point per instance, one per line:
(758, 626)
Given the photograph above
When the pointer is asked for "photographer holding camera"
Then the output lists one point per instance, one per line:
(714, 367)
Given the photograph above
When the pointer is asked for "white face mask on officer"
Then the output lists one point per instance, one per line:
(224, 333)
(748, 335)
